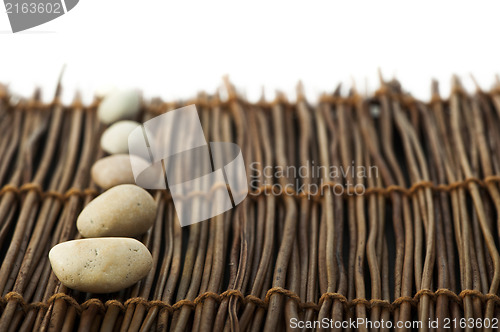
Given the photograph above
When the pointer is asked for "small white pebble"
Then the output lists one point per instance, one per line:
(119, 105)
(103, 265)
(115, 170)
(114, 140)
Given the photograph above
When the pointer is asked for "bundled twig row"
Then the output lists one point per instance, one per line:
(419, 242)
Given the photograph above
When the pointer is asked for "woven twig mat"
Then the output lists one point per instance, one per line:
(415, 242)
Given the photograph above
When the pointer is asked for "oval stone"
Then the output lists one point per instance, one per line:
(124, 210)
(115, 170)
(119, 105)
(114, 140)
(102, 265)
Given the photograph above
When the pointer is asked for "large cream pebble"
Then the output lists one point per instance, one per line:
(124, 210)
(114, 140)
(102, 265)
(115, 170)
(119, 105)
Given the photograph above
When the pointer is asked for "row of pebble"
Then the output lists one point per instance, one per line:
(109, 259)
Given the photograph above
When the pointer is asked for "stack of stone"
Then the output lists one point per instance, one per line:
(109, 259)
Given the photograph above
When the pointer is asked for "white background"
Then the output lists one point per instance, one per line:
(174, 49)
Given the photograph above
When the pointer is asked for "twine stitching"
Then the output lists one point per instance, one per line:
(35, 187)
(249, 299)
(350, 191)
